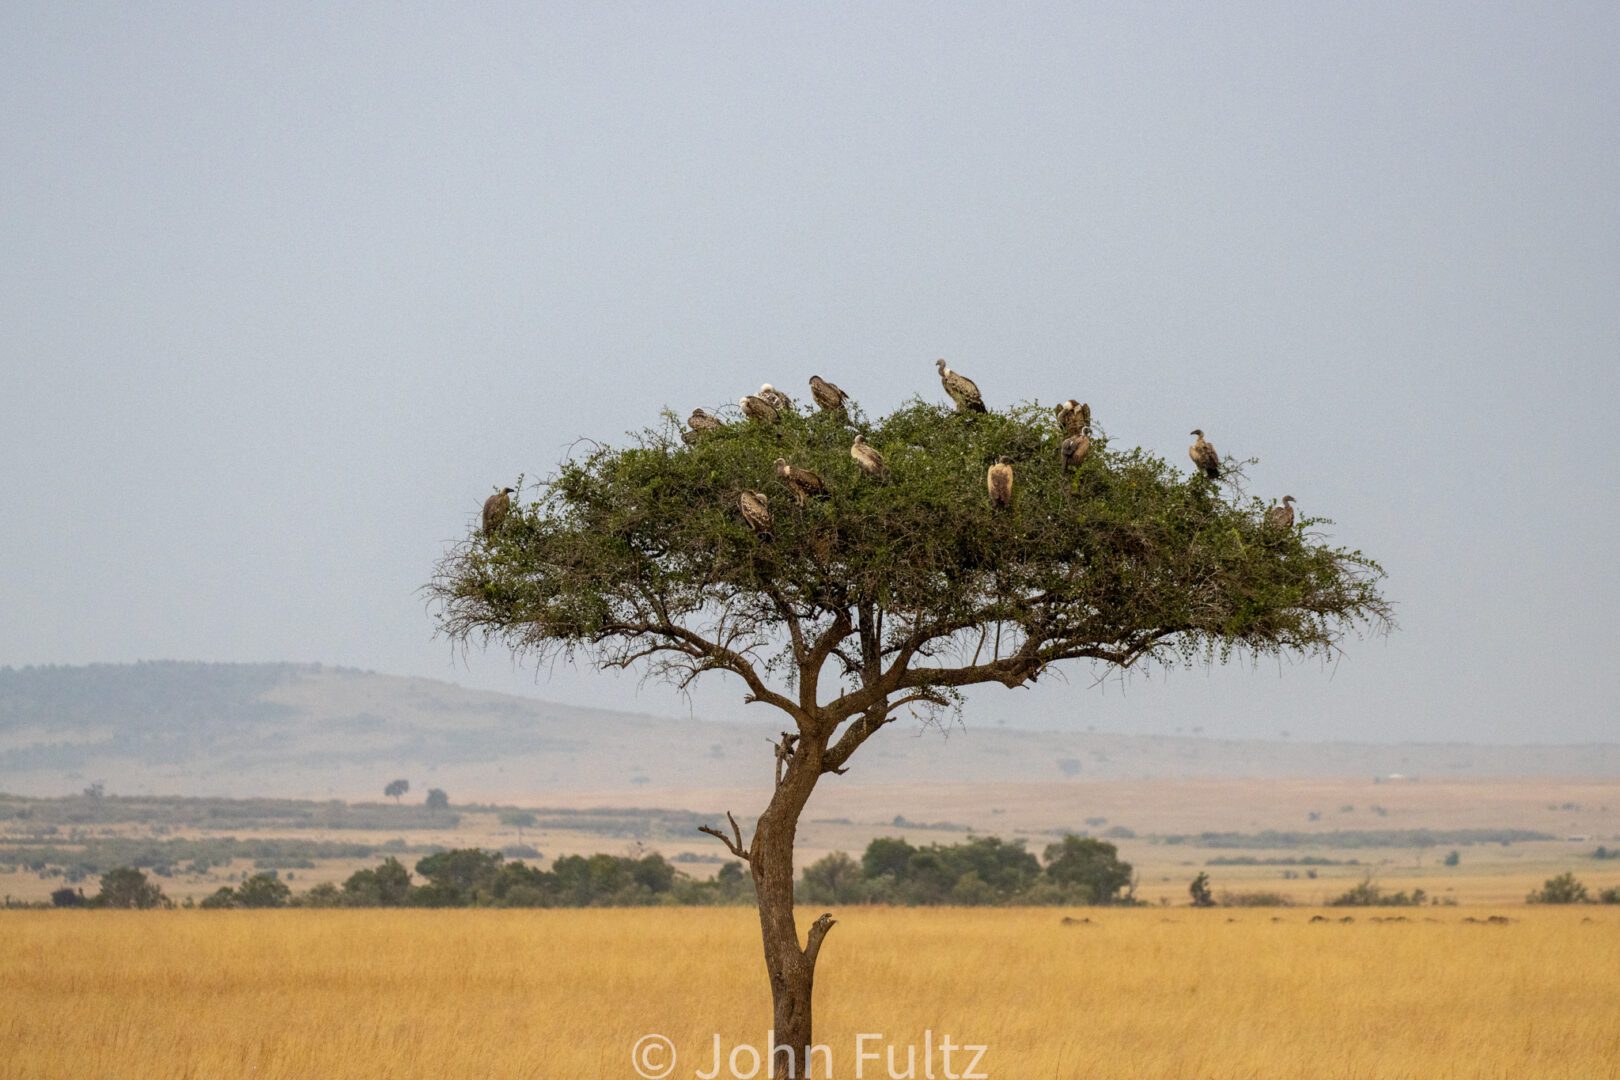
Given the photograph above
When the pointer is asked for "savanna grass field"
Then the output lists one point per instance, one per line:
(1143, 993)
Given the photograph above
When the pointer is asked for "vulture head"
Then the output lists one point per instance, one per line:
(941, 365)
(1197, 432)
(1288, 499)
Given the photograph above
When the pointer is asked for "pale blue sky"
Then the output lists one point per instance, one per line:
(286, 288)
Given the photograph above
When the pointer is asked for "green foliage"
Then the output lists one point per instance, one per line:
(1367, 894)
(263, 891)
(436, 800)
(1563, 889)
(1089, 864)
(1453, 858)
(126, 887)
(1125, 558)
(978, 871)
(388, 885)
(1199, 890)
(1610, 895)
(396, 788)
(66, 897)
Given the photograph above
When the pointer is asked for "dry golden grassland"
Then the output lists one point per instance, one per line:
(562, 995)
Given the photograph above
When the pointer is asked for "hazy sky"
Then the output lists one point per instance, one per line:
(285, 289)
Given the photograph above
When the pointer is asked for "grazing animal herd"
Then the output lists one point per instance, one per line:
(768, 405)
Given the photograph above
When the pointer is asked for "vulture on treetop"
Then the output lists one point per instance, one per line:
(1074, 450)
(700, 423)
(757, 408)
(1204, 456)
(756, 510)
(1282, 517)
(828, 396)
(868, 458)
(962, 389)
(1073, 417)
(1000, 482)
(802, 482)
(496, 507)
(778, 400)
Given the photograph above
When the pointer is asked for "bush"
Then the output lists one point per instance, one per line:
(1607, 896)
(1198, 889)
(1563, 889)
(1366, 894)
(127, 887)
(1254, 899)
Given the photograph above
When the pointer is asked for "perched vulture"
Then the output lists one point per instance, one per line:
(961, 388)
(778, 400)
(756, 510)
(698, 424)
(1074, 450)
(496, 507)
(757, 408)
(868, 458)
(1204, 456)
(802, 482)
(1282, 517)
(828, 396)
(1000, 482)
(1073, 417)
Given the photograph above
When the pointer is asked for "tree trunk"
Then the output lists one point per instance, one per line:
(790, 968)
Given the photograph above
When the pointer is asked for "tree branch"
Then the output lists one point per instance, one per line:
(818, 933)
(735, 845)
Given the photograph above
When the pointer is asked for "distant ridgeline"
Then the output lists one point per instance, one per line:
(160, 696)
(310, 729)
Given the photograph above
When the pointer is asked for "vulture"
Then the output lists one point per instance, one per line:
(1074, 450)
(802, 482)
(1000, 482)
(756, 510)
(828, 396)
(868, 458)
(699, 424)
(757, 408)
(777, 400)
(1282, 517)
(961, 388)
(1204, 456)
(1073, 417)
(496, 507)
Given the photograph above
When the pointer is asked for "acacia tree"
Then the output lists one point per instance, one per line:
(886, 597)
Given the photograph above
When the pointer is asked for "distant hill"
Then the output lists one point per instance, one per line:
(318, 731)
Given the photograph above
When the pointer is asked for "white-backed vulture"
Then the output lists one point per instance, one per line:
(496, 507)
(778, 400)
(756, 510)
(699, 424)
(757, 408)
(869, 458)
(962, 389)
(802, 482)
(1282, 517)
(826, 395)
(999, 480)
(1074, 417)
(1204, 456)
(1074, 451)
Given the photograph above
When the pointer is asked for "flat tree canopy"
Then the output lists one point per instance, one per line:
(641, 553)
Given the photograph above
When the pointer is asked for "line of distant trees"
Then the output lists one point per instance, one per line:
(978, 871)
